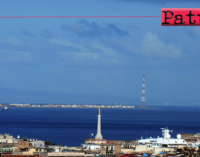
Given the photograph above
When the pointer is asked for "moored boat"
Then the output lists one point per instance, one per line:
(165, 143)
(4, 108)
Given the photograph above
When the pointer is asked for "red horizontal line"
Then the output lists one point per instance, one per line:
(73, 16)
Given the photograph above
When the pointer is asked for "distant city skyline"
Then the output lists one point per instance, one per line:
(97, 60)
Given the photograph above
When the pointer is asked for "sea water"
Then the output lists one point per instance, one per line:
(70, 126)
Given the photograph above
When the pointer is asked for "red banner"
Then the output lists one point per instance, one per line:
(180, 17)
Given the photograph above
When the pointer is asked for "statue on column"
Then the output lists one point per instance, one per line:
(99, 110)
(99, 136)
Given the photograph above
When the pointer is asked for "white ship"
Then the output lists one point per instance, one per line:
(4, 108)
(159, 144)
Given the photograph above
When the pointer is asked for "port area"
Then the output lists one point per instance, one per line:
(24, 147)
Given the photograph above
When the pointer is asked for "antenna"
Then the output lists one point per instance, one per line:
(143, 97)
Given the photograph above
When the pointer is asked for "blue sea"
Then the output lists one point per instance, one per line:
(70, 126)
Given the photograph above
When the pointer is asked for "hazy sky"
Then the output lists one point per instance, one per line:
(100, 59)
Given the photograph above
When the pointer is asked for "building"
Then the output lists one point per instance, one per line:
(7, 148)
(110, 149)
(23, 145)
(6, 138)
(38, 143)
(95, 141)
(104, 149)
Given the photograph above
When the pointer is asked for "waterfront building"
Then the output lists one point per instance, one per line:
(7, 148)
(23, 145)
(38, 143)
(6, 138)
(102, 148)
(92, 147)
(95, 141)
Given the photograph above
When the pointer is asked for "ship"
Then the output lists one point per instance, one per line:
(4, 108)
(165, 143)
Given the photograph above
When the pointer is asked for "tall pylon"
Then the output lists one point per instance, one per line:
(143, 97)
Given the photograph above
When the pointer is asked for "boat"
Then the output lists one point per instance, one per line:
(4, 108)
(165, 143)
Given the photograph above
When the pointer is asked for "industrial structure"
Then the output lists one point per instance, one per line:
(143, 97)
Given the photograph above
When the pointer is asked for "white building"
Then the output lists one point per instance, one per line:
(37, 144)
(91, 147)
(6, 138)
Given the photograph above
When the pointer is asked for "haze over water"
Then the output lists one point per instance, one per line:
(70, 126)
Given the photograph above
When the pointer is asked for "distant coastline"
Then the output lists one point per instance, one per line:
(67, 106)
(87, 106)
(74, 106)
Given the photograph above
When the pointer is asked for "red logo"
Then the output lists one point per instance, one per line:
(180, 16)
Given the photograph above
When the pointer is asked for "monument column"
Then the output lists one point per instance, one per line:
(99, 136)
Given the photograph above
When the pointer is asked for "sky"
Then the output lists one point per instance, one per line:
(97, 60)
